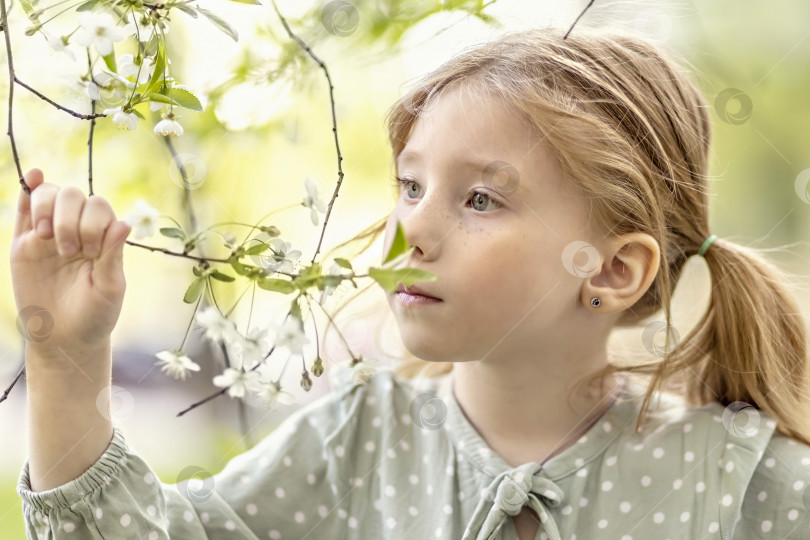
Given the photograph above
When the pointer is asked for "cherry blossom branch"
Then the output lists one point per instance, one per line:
(334, 124)
(220, 392)
(10, 61)
(17, 378)
(43, 97)
(578, 18)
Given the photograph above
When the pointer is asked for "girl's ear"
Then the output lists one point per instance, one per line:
(630, 264)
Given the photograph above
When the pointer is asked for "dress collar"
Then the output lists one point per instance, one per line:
(606, 429)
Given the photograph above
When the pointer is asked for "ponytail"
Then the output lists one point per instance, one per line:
(750, 345)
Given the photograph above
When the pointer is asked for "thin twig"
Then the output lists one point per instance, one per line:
(17, 378)
(184, 175)
(55, 104)
(334, 125)
(176, 254)
(11, 77)
(90, 137)
(220, 392)
(578, 18)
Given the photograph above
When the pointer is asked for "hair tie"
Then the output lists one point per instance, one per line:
(706, 245)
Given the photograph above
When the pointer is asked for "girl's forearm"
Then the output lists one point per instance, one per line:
(68, 414)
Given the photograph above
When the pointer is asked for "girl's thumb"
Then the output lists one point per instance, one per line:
(111, 258)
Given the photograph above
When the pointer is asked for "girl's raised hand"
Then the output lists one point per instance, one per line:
(75, 292)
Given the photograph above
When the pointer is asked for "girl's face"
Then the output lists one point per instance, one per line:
(490, 214)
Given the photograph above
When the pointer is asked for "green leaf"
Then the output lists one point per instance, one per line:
(343, 263)
(28, 7)
(183, 98)
(185, 8)
(258, 248)
(156, 81)
(196, 271)
(220, 23)
(137, 113)
(278, 285)
(216, 274)
(173, 232)
(87, 6)
(110, 61)
(244, 269)
(390, 278)
(399, 245)
(194, 290)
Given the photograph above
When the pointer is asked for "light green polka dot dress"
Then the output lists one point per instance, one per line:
(397, 459)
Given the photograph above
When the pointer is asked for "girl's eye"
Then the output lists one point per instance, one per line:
(478, 197)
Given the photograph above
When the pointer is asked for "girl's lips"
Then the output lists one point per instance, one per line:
(415, 299)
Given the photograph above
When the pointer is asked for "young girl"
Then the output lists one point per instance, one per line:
(512, 158)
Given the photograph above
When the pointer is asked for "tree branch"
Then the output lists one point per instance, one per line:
(578, 18)
(334, 125)
(11, 77)
(17, 378)
(55, 104)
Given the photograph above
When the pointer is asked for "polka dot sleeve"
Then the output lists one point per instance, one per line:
(777, 502)
(289, 485)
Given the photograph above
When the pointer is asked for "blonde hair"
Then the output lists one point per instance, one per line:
(630, 129)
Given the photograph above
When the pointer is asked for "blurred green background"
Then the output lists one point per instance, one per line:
(267, 127)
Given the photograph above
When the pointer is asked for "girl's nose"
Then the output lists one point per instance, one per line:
(425, 227)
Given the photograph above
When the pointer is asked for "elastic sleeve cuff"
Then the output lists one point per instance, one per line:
(98, 475)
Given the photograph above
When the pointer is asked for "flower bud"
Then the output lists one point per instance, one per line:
(317, 367)
(306, 382)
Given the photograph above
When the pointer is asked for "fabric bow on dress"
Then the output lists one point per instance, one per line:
(508, 493)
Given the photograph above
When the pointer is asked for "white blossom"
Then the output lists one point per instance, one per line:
(128, 68)
(281, 258)
(217, 328)
(100, 31)
(246, 352)
(291, 335)
(312, 201)
(362, 371)
(176, 364)
(238, 381)
(58, 44)
(143, 219)
(168, 126)
(125, 119)
(272, 395)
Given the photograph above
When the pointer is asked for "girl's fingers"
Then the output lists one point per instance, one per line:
(66, 213)
(97, 216)
(41, 209)
(23, 223)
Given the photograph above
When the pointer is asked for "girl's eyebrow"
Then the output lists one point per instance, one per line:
(468, 162)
